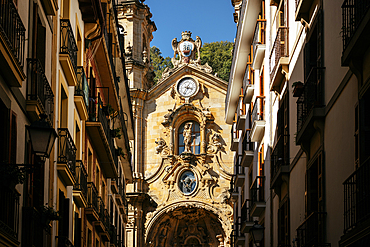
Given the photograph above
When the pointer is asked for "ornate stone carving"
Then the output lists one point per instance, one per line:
(215, 143)
(162, 147)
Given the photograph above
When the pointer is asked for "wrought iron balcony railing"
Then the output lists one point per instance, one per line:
(82, 88)
(353, 12)
(311, 97)
(12, 26)
(280, 154)
(38, 87)
(279, 49)
(239, 170)
(248, 76)
(311, 232)
(245, 211)
(66, 150)
(81, 178)
(113, 235)
(9, 212)
(92, 197)
(258, 109)
(257, 190)
(124, 122)
(68, 42)
(103, 214)
(259, 37)
(247, 144)
(357, 197)
(121, 189)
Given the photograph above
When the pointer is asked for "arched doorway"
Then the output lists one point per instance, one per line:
(185, 227)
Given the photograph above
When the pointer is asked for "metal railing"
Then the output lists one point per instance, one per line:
(257, 190)
(82, 88)
(92, 196)
(311, 97)
(259, 34)
(113, 235)
(258, 109)
(353, 11)
(38, 87)
(81, 178)
(280, 154)
(239, 170)
(279, 49)
(9, 213)
(245, 211)
(312, 230)
(103, 214)
(64, 241)
(357, 197)
(247, 144)
(13, 29)
(68, 42)
(121, 189)
(66, 149)
(124, 129)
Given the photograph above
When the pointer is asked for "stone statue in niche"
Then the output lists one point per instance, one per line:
(215, 143)
(187, 137)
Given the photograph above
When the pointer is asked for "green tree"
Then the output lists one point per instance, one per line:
(159, 63)
(218, 55)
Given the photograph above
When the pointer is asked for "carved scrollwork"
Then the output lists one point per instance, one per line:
(215, 143)
(162, 147)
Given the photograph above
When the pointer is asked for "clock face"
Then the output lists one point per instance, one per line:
(187, 87)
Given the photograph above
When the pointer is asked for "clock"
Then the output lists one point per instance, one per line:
(187, 87)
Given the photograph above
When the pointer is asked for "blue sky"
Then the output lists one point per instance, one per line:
(211, 20)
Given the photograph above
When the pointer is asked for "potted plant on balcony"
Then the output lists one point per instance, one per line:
(48, 214)
(119, 152)
(11, 175)
(297, 88)
(108, 109)
(116, 133)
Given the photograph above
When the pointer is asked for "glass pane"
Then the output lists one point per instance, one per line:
(181, 139)
(181, 149)
(196, 127)
(197, 139)
(197, 149)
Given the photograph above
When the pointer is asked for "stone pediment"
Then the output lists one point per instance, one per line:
(205, 79)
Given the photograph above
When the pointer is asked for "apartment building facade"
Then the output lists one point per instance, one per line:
(315, 135)
(63, 67)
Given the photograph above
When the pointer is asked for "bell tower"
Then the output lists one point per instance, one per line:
(134, 21)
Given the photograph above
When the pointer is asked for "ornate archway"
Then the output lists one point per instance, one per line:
(186, 226)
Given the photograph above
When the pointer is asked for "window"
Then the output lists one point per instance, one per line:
(195, 137)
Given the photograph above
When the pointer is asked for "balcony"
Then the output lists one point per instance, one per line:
(68, 52)
(12, 40)
(113, 235)
(62, 241)
(81, 98)
(104, 58)
(66, 157)
(248, 151)
(248, 84)
(92, 202)
(257, 191)
(279, 59)
(9, 216)
(310, 105)
(40, 97)
(234, 138)
(355, 29)
(240, 238)
(234, 193)
(258, 119)
(103, 224)
(356, 204)
(120, 196)
(99, 132)
(239, 171)
(259, 43)
(280, 162)
(312, 231)
(303, 10)
(80, 187)
(247, 221)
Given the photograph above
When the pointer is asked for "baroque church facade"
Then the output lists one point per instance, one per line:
(182, 165)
